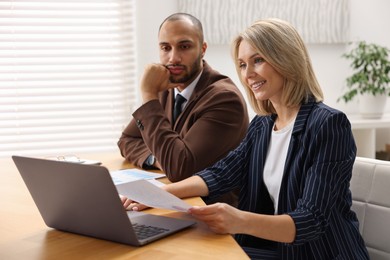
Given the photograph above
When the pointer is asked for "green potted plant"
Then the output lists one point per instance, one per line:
(370, 78)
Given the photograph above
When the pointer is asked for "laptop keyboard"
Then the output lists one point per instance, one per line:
(144, 231)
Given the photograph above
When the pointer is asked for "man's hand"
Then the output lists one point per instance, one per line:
(128, 204)
(154, 80)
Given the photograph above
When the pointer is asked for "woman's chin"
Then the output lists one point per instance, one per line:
(259, 97)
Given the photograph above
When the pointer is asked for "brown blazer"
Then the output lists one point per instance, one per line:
(214, 122)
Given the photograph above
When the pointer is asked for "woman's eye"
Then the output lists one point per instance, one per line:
(259, 60)
(242, 65)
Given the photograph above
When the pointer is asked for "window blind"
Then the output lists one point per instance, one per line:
(67, 75)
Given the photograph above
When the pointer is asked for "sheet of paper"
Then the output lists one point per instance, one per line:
(156, 182)
(127, 175)
(150, 195)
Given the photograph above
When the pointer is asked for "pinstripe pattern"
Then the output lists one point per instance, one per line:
(315, 185)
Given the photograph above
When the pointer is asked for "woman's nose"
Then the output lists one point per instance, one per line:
(249, 72)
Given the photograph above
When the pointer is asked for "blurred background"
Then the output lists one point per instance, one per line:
(69, 70)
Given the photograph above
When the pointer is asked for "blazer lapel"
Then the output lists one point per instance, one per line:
(299, 126)
(259, 154)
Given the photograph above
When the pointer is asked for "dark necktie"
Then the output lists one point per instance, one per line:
(177, 107)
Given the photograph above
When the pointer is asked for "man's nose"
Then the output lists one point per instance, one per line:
(175, 57)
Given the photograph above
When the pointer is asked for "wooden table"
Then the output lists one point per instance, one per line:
(23, 234)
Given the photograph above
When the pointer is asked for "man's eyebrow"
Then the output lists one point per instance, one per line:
(185, 41)
(180, 42)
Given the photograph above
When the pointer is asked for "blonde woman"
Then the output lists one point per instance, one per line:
(294, 165)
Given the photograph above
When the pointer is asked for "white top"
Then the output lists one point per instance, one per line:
(187, 92)
(276, 159)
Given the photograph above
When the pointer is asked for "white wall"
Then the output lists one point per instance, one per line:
(369, 21)
(149, 15)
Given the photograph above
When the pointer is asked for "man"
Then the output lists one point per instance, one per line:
(214, 116)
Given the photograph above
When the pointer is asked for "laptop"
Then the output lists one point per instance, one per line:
(83, 199)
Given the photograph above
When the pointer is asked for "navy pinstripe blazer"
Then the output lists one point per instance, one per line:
(315, 184)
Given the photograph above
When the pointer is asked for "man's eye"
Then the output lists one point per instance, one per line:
(184, 47)
(165, 48)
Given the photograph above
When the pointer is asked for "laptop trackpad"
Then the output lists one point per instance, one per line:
(133, 214)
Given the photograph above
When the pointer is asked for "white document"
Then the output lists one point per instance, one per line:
(156, 182)
(127, 175)
(150, 195)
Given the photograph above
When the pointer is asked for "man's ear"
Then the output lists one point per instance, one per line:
(204, 47)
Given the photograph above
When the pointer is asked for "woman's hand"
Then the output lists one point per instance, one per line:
(129, 204)
(223, 218)
(219, 217)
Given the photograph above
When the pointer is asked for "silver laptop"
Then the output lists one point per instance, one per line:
(83, 199)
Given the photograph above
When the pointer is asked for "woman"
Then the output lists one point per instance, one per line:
(294, 165)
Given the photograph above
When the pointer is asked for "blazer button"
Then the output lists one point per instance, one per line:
(139, 125)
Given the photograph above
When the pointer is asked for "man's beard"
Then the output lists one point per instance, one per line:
(187, 76)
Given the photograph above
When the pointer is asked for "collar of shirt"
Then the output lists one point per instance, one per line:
(187, 92)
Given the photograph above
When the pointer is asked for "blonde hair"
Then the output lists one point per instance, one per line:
(280, 46)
